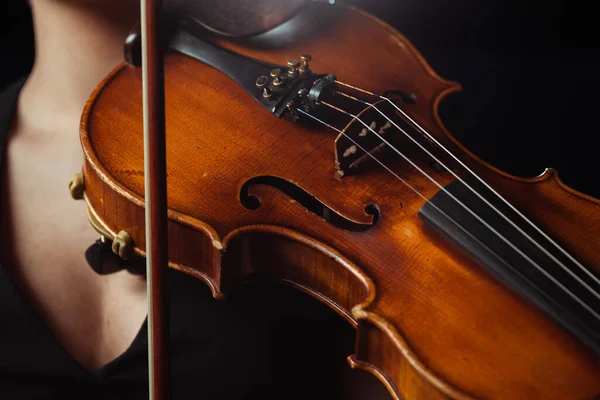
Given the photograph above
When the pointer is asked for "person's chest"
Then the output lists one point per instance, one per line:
(45, 235)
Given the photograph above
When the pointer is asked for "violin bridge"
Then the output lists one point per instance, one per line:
(364, 138)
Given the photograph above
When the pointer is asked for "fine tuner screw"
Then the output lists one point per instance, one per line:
(305, 68)
(293, 64)
(262, 82)
(276, 75)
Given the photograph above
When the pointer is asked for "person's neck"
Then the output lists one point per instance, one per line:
(77, 44)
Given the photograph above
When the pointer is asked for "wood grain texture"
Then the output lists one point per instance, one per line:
(431, 323)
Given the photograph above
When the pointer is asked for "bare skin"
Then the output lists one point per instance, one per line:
(94, 317)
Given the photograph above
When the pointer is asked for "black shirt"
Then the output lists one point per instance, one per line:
(247, 347)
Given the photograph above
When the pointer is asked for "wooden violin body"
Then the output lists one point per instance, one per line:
(431, 323)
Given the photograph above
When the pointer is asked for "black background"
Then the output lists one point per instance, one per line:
(528, 70)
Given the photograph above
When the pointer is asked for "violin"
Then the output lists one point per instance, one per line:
(285, 162)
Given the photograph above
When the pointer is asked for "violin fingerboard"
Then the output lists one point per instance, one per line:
(510, 266)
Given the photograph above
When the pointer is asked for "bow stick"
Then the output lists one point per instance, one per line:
(155, 200)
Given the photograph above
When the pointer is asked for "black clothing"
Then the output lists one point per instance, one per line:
(219, 350)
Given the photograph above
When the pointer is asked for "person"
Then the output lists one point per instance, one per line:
(67, 331)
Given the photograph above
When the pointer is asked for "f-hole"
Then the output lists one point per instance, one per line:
(307, 200)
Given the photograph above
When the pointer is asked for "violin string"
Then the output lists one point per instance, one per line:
(513, 208)
(521, 231)
(550, 277)
(448, 193)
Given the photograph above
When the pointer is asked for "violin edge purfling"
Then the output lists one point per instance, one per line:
(430, 322)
